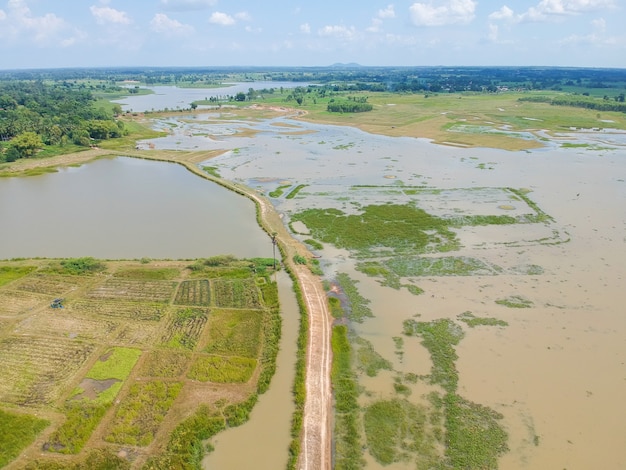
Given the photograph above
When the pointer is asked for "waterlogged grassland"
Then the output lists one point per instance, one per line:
(117, 359)
(474, 437)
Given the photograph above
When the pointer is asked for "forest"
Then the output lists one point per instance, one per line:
(34, 114)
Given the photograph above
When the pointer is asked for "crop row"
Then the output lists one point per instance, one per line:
(16, 302)
(58, 322)
(50, 284)
(184, 327)
(33, 370)
(140, 311)
(194, 292)
(129, 289)
(236, 293)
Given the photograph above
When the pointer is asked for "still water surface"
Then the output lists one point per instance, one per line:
(125, 208)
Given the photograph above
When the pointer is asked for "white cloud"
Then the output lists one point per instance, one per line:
(222, 19)
(104, 15)
(182, 5)
(388, 12)
(338, 31)
(21, 25)
(493, 33)
(243, 16)
(163, 24)
(305, 28)
(442, 13)
(548, 10)
(504, 13)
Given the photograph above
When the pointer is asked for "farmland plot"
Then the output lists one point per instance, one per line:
(13, 303)
(234, 333)
(138, 311)
(61, 323)
(236, 293)
(137, 333)
(194, 292)
(184, 327)
(130, 289)
(165, 364)
(50, 284)
(35, 370)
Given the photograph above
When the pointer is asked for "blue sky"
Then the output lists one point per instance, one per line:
(86, 33)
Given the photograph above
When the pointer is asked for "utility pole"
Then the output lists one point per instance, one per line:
(274, 248)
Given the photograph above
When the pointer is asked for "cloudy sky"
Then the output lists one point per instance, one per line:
(85, 33)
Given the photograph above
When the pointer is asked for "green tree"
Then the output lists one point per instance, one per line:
(26, 144)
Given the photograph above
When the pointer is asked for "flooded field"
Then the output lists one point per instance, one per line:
(551, 361)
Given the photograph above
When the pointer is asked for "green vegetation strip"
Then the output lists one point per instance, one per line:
(358, 309)
(17, 431)
(348, 453)
(474, 438)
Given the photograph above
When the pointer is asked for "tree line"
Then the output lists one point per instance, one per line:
(581, 101)
(34, 114)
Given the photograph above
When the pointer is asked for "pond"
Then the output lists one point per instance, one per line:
(125, 208)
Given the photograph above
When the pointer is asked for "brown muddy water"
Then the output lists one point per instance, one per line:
(262, 443)
(557, 372)
(126, 208)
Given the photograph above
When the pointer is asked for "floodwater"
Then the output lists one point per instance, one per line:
(557, 372)
(126, 208)
(174, 98)
(262, 443)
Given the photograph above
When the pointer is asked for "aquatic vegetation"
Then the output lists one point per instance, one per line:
(358, 309)
(470, 320)
(515, 301)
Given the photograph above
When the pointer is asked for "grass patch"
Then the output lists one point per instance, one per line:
(139, 416)
(314, 244)
(11, 273)
(415, 266)
(398, 431)
(358, 309)
(212, 170)
(515, 301)
(390, 226)
(116, 363)
(295, 191)
(368, 360)
(17, 431)
(278, 192)
(220, 369)
(472, 321)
